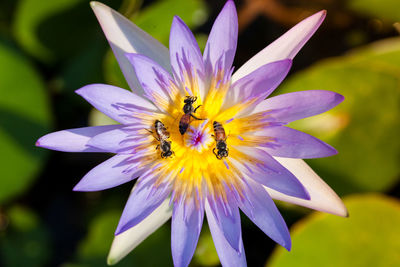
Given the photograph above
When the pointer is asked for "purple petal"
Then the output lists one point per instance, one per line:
(121, 140)
(184, 50)
(271, 173)
(298, 105)
(113, 101)
(155, 81)
(260, 83)
(108, 174)
(260, 208)
(290, 143)
(228, 256)
(74, 140)
(143, 200)
(228, 220)
(286, 46)
(125, 37)
(187, 220)
(222, 41)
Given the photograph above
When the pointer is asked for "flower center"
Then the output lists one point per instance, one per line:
(198, 167)
(198, 137)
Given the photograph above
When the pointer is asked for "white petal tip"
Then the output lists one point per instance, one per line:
(318, 16)
(340, 210)
(111, 261)
(95, 4)
(323, 198)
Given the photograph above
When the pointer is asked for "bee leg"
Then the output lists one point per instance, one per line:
(157, 147)
(194, 98)
(196, 108)
(150, 131)
(214, 152)
(197, 118)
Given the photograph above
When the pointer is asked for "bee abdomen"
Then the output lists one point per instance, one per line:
(161, 131)
(219, 131)
(183, 127)
(218, 126)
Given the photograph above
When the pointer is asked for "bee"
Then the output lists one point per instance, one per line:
(220, 138)
(188, 109)
(162, 136)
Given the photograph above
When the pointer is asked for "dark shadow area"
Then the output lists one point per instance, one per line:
(24, 130)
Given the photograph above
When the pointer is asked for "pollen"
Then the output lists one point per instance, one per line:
(194, 169)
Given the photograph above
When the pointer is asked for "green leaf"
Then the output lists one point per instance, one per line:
(369, 237)
(205, 254)
(93, 249)
(26, 241)
(29, 16)
(383, 9)
(56, 30)
(364, 128)
(24, 117)
(7, 8)
(96, 118)
(84, 68)
(112, 73)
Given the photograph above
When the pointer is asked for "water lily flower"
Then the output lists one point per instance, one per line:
(263, 159)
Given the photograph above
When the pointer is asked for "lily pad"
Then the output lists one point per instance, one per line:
(364, 128)
(57, 29)
(29, 15)
(206, 254)
(24, 117)
(96, 118)
(369, 237)
(26, 241)
(95, 246)
(383, 9)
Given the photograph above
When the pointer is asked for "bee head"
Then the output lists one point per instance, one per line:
(190, 99)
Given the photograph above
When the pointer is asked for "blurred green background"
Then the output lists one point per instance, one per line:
(49, 48)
